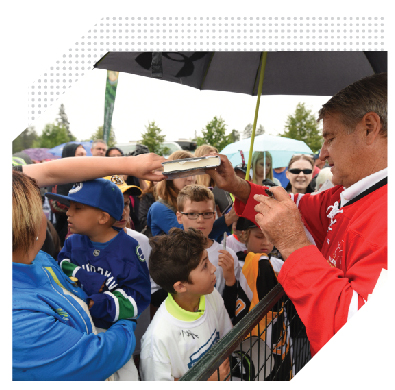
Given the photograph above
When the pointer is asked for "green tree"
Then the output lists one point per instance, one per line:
(235, 135)
(153, 139)
(63, 121)
(54, 135)
(303, 127)
(27, 139)
(214, 134)
(248, 130)
(99, 135)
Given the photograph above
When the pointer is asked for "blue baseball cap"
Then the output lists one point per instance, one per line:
(100, 193)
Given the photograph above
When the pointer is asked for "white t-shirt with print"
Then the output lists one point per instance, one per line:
(171, 346)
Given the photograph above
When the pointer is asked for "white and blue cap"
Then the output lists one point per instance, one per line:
(100, 193)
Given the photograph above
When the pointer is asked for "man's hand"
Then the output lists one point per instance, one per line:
(225, 177)
(280, 220)
(145, 166)
(226, 261)
(224, 371)
(231, 217)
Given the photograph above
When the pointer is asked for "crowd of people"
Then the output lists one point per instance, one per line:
(135, 277)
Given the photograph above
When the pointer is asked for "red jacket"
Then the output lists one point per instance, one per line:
(329, 281)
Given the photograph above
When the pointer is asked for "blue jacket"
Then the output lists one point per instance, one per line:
(52, 334)
(120, 266)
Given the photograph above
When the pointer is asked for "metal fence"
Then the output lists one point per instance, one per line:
(268, 344)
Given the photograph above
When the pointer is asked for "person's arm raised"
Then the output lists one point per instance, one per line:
(224, 177)
(75, 169)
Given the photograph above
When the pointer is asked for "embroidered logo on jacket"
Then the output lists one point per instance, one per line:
(62, 313)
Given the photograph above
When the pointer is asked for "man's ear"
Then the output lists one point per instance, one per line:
(372, 126)
(179, 287)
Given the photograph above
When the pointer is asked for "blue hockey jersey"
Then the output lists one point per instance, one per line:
(120, 266)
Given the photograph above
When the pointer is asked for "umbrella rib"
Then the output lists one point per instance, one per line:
(206, 71)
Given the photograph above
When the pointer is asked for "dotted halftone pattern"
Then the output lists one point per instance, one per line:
(201, 34)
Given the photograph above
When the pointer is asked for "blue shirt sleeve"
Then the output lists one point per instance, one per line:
(161, 219)
(219, 228)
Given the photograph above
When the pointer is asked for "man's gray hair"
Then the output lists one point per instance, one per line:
(353, 102)
(98, 141)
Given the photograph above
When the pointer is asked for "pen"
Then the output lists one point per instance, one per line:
(269, 193)
(224, 241)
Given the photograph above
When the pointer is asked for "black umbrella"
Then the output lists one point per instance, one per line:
(319, 73)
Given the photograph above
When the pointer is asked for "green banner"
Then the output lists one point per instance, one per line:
(111, 90)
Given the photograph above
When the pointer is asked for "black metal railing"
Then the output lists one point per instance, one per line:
(268, 344)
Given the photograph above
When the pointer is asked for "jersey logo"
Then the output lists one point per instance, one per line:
(203, 349)
(96, 252)
(240, 306)
(139, 253)
(332, 211)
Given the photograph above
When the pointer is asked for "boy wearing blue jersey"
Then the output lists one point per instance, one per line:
(108, 263)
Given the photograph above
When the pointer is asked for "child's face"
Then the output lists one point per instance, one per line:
(259, 168)
(181, 182)
(82, 219)
(125, 214)
(203, 277)
(258, 243)
(202, 224)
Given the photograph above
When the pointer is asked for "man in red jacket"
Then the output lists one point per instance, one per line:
(334, 242)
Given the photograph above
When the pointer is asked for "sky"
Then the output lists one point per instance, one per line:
(177, 110)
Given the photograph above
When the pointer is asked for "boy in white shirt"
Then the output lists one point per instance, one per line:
(193, 316)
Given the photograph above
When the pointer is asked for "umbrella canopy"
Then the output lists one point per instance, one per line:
(57, 150)
(281, 149)
(319, 73)
(26, 158)
(39, 154)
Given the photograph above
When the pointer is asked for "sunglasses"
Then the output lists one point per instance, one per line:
(297, 171)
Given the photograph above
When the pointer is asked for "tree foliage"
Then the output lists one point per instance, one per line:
(63, 121)
(27, 139)
(99, 135)
(54, 135)
(153, 139)
(214, 134)
(303, 127)
(235, 135)
(248, 130)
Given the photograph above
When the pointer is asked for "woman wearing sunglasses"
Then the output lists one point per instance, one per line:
(300, 174)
